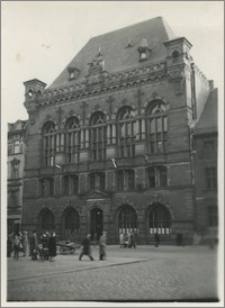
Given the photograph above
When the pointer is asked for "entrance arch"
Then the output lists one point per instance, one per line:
(159, 220)
(46, 221)
(127, 220)
(96, 222)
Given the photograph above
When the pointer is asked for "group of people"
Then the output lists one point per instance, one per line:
(86, 247)
(45, 249)
(127, 240)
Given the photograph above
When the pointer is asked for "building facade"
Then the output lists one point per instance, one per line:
(15, 161)
(205, 134)
(109, 142)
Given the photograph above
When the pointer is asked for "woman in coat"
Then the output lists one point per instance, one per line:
(52, 247)
(24, 242)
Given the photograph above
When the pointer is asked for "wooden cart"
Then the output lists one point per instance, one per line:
(67, 247)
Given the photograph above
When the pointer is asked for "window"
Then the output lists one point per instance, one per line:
(98, 138)
(127, 220)
(49, 139)
(212, 216)
(159, 220)
(47, 220)
(72, 141)
(15, 168)
(13, 198)
(71, 222)
(66, 186)
(125, 180)
(211, 178)
(156, 127)
(126, 132)
(70, 185)
(209, 148)
(97, 181)
(16, 147)
(47, 187)
(156, 176)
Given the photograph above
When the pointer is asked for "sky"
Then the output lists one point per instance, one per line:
(39, 38)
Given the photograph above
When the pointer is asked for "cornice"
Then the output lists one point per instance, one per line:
(108, 83)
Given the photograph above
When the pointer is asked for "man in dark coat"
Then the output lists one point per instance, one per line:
(86, 248)
(33, 246)
(157, 239)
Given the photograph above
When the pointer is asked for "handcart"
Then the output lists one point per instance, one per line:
(67, 247)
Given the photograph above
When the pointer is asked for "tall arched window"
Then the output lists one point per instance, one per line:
(156, 127)
(47, 221)
(49, 140)
(98, 137)
(159, 220)
(126, 132)
(71, 222)
(72, 141)
(127, 220)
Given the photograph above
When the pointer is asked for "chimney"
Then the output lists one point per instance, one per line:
(211, 85)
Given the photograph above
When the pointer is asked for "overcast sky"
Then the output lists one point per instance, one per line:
(39, 39)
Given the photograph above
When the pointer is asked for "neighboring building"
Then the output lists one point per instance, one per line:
(205, 134)
(16, 157)
(109, 142)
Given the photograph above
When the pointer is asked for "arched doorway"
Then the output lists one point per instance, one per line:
(46, 221)
(127, 220)
(71, 224)
(96, 222)
(159, 220)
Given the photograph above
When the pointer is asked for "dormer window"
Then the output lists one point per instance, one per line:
(73, 72)
(144, 50)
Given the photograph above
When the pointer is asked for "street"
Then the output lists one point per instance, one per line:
(146, 274)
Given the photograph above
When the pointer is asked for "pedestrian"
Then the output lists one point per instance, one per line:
(16, 246)
(33, 246)
(102, 246)
(125, 240)
(24, 241)
(132, 242)
(9, 246)
(157, 239)
(86, 248)
(121, 239)
(179, 239)
(52, 247)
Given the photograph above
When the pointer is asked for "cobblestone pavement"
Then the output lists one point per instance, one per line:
(143, 274)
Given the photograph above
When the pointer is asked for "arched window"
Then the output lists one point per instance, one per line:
(71, 222)
(127, 220)
(47, 221)
(126, 132)
(156, 127)
(159, 220)
(49, 140)
(72, 141)
(98, 137)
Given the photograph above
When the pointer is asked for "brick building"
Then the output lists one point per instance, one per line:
(108, 143)
(15, 161)
(205, 134)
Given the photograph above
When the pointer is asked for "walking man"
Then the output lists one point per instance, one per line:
(102, 246)
(86, 248)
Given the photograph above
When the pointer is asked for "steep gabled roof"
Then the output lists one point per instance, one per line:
(115, 52)
(207, 122)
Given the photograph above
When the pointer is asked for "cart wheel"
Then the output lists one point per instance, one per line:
(72, 251)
